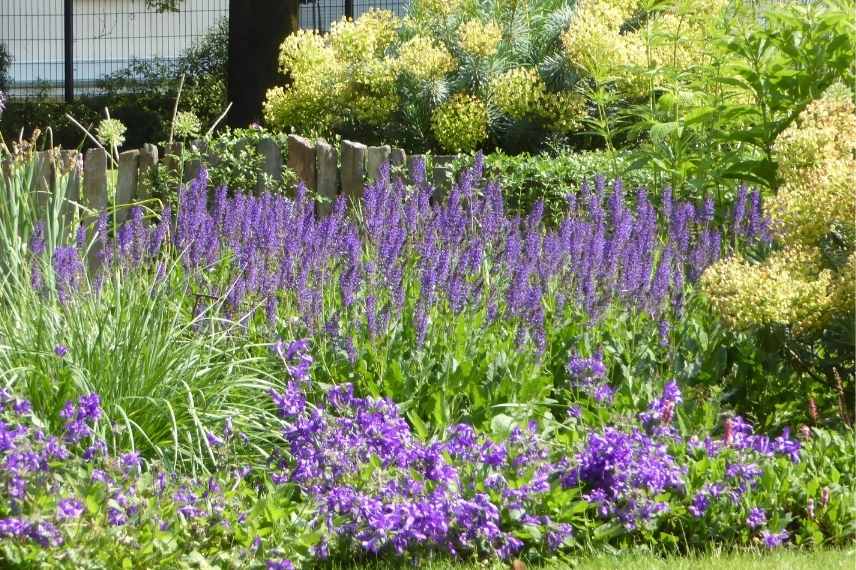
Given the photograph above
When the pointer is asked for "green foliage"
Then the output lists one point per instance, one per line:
(166, 374)
(153, 84)
(232, 160)
(698, 93)
(400, 76)
(552, 176)
(156, 533)
(239, 165)
(5, 63)
(715, 123)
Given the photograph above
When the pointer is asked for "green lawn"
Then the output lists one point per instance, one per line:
(784, 560)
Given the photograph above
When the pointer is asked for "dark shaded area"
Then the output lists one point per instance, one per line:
(256, 30)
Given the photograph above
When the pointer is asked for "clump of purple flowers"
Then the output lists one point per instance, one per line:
(756, 518)
(81, 418)
(658, 417)
(411, 259)
(421, 494)
(587, 375)
(622, 473)
(743, 450)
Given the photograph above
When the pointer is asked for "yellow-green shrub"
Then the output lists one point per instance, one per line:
(345, 75)
(424, 59)
(460, 124)
(480, 39)
(518, 92)
(799, 286)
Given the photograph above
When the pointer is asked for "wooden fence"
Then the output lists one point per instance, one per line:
(324, 169)
(318, 164)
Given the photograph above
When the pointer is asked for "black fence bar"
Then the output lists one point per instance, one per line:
(68, 50)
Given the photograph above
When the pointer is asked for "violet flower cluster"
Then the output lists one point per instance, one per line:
(745, 453)
(623, 472)
(587, 375)
(47, 484)
(379, 487)
(371, 484)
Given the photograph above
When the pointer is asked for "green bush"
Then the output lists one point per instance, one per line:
(698, 92)
(527, 178)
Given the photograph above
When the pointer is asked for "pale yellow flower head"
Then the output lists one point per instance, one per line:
(817, 167)
(789, 288)
(518, 92)
(365, 38)
(564, 111)
(797, 286)
(594, 42)
(460, 124)
(480, 39)
(111, 132)
(424, 59)
(435, 8)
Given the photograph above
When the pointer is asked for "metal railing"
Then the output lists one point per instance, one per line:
(62, 48)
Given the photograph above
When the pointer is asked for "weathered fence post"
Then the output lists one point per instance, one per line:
(45, 181)
(69, 161)
(95, 178)
(126, 183)
(173, 160)
(194, 165)
(148, 165)
(95, 190)
(272, 168)
(328, 175)
(301, 159)
(353, 169)
(376, 156)
(442, 175)
(397, 157)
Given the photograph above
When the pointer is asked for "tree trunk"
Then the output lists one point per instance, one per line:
(256, 30)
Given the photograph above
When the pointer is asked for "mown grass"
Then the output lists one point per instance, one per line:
(782, 560)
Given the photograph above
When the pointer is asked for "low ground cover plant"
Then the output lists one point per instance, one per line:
(348, 475)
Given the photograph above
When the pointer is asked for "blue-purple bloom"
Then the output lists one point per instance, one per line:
(757, 517)
(69, 509)
(774, 539)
